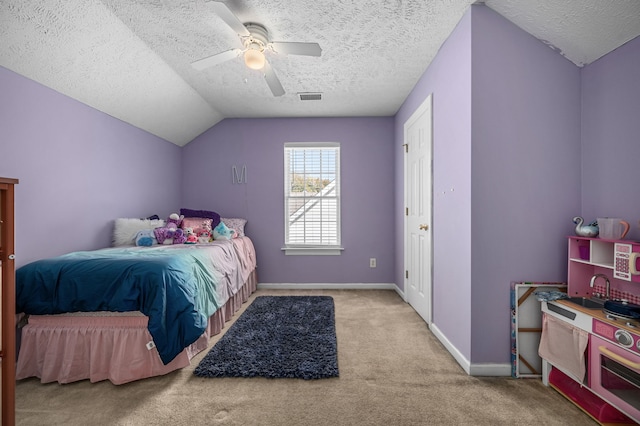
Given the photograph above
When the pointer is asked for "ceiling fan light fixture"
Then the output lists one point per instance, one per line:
(254, 59)
(255, 40)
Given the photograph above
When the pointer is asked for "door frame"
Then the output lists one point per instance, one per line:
(424, 106)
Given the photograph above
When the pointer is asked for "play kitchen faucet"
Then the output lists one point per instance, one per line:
(607, 284)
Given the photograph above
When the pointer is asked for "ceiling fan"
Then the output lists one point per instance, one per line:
(255, 42)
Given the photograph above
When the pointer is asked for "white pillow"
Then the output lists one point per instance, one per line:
(125, 230)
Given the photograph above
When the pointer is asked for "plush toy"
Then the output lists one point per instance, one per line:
(192, 238)
(223, 232)
(146, 238)
(204, 236)
(162, 235)
(179, 237)
(171, 233)
(175, 219)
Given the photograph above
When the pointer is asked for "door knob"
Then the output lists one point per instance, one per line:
(423, 227)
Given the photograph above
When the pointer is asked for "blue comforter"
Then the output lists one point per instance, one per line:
(174, 287)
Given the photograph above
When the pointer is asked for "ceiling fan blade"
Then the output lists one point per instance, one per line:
(272, 80)
(294, 48)
(210, 61)
(228, 16)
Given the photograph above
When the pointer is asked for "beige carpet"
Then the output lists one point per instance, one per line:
(393, 371)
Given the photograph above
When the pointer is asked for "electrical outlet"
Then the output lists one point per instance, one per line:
(372, 262)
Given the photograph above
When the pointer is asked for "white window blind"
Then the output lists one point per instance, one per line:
(312, 195)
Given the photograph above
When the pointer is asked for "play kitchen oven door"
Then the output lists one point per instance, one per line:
(614, 367)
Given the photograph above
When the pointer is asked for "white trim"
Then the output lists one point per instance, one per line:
(339, 286)
(457, 355)
(312, 251)
(328, 286)
(312, 144)
(492, 370)
(334, 187)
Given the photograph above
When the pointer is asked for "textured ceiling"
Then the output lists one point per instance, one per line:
(581, 30)
(132, 59)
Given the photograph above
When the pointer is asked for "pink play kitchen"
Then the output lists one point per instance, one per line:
(590, 344)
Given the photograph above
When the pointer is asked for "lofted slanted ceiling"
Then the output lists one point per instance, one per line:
(132, 59)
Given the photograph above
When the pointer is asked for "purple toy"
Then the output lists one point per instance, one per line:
(171, 233)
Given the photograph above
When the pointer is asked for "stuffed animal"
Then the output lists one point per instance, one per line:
(175, 219)
(171, 233)
(162, 235)
(179, 237)
(146, 238)
(223, 232)
(192, 238)
(204, 236)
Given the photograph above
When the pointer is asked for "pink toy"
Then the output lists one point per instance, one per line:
(192, 238)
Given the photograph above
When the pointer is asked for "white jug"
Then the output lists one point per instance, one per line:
(612, 228)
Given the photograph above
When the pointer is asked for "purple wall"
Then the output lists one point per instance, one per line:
(507, 140)
(525, 171)
(79, 169)
(449, 79)
(611, 136)
(367, 192)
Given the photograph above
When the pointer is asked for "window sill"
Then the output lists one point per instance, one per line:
(313, 251)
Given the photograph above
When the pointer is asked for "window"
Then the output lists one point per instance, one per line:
(312, 198)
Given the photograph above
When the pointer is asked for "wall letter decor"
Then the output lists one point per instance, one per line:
(242, 177)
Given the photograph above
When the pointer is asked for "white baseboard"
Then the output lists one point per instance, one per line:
(328, 286)
(493, 370)
(457, 355)
(335, 286)
(490, 370)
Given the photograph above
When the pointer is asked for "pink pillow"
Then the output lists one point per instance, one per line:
(197, 224)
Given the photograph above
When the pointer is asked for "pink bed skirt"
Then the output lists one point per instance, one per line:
(72, 347)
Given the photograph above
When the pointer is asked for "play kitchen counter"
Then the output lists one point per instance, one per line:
(591, 347)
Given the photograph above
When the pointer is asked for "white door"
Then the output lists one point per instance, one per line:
(418, 196)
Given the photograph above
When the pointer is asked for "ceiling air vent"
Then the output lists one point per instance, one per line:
(310, 96)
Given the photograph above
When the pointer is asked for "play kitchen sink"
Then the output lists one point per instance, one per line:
(620, 309)
(590, 343)
(587, 302)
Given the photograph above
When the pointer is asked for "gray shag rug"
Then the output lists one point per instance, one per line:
(278, 337)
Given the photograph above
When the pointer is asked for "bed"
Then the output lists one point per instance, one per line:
(128, 313)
